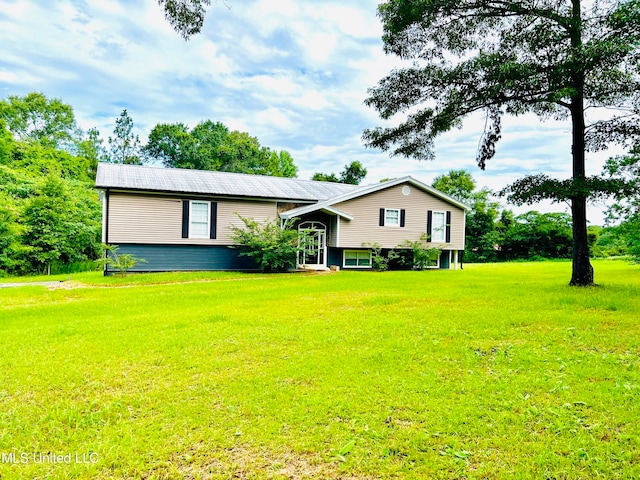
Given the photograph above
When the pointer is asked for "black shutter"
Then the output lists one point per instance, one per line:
(402, 217)
(214, 217)
(382, 217)
(448, 234)
(429, 222)
(185, 219)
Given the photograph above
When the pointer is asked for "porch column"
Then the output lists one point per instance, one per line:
(455, 259)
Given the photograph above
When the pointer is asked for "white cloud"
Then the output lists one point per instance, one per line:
(294, 73)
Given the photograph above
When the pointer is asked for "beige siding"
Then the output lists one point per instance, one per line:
(366, 212)
(158, 220)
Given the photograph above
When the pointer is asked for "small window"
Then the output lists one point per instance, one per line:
(391, 217)
(438, 227)
(199, 220)
(357, 258)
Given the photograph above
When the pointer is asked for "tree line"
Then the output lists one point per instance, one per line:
(495, 234)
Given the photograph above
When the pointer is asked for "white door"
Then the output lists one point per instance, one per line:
(314, 245)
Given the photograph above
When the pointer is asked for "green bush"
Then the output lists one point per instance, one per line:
(423, 254)
(122, 262)
(273, 247)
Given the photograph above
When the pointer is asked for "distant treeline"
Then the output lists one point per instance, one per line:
(495, 234)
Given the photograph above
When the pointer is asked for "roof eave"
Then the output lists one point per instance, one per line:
(296, 212)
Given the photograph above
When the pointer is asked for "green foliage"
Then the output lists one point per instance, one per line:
(274, 248)
(37, 119)
(379, 257)
(211, 146)
(242, 153)
(458, 184)
(285, 164)
(61, 224)
(325, 177)
(423, 254)
(42, 161)
(122, 262)
(536, 188)
(352, 174)
(6, 143)
(92, 149)
(482, 233)
(626, 208)
(533, 234)
(12, 250)
(125, 145)
(185, 16)
(49, 212)
(504, 57)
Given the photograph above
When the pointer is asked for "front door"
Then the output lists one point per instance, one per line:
(314, 245)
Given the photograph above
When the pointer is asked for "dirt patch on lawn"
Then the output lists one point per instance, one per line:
(244, 463)
(29, 284)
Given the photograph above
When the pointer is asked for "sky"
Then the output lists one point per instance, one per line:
(293, 73)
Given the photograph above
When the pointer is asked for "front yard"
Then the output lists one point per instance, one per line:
(497, 371)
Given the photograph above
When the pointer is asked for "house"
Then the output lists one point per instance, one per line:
(178, 219)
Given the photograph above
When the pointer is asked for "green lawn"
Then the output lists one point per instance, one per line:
(497, 371)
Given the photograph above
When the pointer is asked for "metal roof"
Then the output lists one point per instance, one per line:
(142, 178)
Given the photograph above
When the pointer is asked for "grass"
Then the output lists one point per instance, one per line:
(498, 371)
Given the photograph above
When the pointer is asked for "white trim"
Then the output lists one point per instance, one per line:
(295, 212)
(313, 225)
(344, 259)
(103, 200)
(207, 233)
(444, 225)
(316, 227)
(437, 265)
(464, 230)
(323, 205)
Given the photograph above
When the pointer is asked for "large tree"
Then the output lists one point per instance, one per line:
(211, 146)
(553, 58)
(352, 174)
(35, 118)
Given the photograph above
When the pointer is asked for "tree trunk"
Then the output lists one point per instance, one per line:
(582, 271)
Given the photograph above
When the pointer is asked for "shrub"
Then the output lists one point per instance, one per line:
(423, 255)
(379, 260)
(122, 262)
(272, 246)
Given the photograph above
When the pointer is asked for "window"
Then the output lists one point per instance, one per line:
(199, 220)
(357, 258)
(438, 227)
(391, 217)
